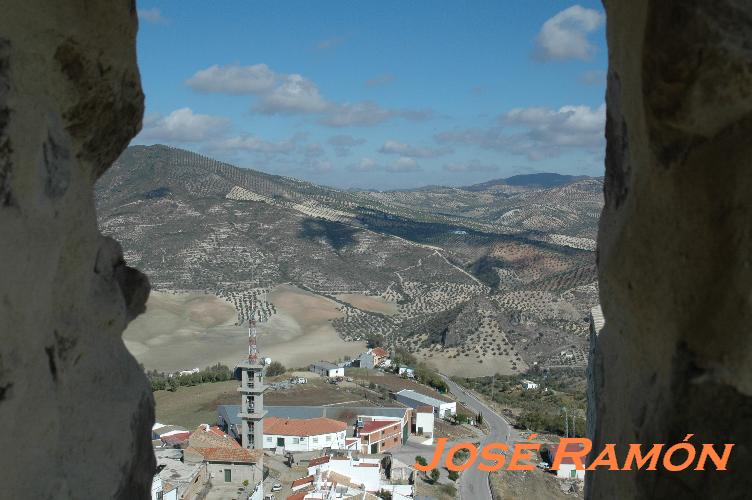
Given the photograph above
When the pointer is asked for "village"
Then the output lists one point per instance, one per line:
(346, 429)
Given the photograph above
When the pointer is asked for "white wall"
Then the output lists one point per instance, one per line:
(334, 440)
(565, 471)
(424, 421)
(369, 476)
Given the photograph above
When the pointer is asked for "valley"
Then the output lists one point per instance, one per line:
(485, 279)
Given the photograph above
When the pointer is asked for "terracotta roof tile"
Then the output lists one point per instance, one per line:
(302, 481)
(377, 425)
(302, 427)
(424, 409)
(378, 351)
(318, 461)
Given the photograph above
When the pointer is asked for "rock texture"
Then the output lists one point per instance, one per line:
(675, 242)
(75, 408)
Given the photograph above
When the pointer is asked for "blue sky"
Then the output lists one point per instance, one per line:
(378, 94)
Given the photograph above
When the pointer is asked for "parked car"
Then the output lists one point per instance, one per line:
(543, 465)
(276, 486)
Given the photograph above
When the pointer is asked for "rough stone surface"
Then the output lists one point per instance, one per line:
(675, 243)
(75, 407)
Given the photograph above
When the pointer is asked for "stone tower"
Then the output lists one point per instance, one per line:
(252, 395)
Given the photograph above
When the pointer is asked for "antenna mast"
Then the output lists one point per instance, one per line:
(252, 348)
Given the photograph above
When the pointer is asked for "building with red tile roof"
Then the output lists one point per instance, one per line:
(305, 434)
(377, 436)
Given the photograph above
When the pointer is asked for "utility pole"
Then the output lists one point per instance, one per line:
(493, 387)
(566, 422)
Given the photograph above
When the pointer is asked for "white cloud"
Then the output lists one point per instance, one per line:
(313, 150)
(545, 132)
(253, 144)
(233, 79)
(471, 166)
(564, 36)
(365, 165)
(182, 126)
(153, 16)
(296, 94)
(399, 148)
(403, 165)
(380, 80)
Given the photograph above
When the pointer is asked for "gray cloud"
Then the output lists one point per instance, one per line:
(471, 166)
(399, 148)
(153, 16)
(365, 165)
(380, 80)
(253, 144)
(546, 132)
(594, 77)
(564, 36)
(403, 165)
(330, 43)
(344, 143)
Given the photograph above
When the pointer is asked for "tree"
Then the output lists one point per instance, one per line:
(275, 368)
(454, 475)
(385, 495)
(421, 461)
(434, 475)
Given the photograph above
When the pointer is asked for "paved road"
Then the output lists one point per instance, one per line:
(473, 484)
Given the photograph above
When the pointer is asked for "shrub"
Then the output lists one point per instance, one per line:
(275, 368)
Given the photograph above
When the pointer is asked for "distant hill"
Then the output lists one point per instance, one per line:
(540, 180)
(464, 264)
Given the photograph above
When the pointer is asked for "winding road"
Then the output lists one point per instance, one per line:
(473, 484)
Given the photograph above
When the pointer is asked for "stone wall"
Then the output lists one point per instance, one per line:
(75, 408)
(675, 242)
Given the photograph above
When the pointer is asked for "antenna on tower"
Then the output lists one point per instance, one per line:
(252, 348)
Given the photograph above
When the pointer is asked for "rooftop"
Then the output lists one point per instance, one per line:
(377, 425)
(302, 427)
(426, 400)
(302, 481)
(318, 461)
(325, 364)
(424, 409)
(553, 449)
(343, 413)
(378, 351)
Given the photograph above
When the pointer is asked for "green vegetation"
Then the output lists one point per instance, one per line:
(540, 409)
(161, 381)
(434, 475)
(275, 368)
(385, 495)
(421, 461)
(449, 490)
(454, 475)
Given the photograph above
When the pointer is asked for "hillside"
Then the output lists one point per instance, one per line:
(503, 275)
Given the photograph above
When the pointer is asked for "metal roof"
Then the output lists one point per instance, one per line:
(230, 412)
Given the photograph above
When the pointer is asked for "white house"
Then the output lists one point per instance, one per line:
(327, 369)
(424, 423)
(415, 399)
(407, 372)
(529, 385)
(365, 472)
(567, 468)
(159, 493)
(305, 434)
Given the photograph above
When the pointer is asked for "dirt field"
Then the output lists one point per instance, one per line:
(190, 406)
(195, 330)
(392, 382)
(532, 485)
(370, 303)
(468, 366)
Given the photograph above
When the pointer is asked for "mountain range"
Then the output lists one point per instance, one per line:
(502, 271)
